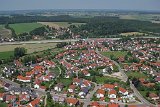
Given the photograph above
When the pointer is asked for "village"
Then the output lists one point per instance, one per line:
(83, 74)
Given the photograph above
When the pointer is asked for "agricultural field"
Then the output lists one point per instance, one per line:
(5, 32)
(115, 53)
(6, 55)
(30, 47)
(24, 27)
(57, 25)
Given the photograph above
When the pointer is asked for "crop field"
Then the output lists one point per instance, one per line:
(57, 25)
(24, 27)
(5, 32)
(115, 53)
(6, 55)
(30, 47)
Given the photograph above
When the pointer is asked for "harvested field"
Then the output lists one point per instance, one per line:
(30, 47)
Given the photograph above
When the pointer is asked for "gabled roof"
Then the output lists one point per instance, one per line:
(112, 92)
(113, 105)
(72, 101)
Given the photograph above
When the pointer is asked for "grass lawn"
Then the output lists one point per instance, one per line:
(3, 104)
(6, 55)
(55, 70)
(115, 53)
(24, 27)
(136, 74)
(101, 80)
(65, 81)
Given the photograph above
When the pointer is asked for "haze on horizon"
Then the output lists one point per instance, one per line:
(153, 5)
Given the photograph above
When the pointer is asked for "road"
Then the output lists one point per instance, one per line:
(36, 42)
(57, 41)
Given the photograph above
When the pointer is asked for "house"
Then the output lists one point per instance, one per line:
(77, 81)
(83, 92)
(2, 96)
(37, 85)
(24, 97)
(113, 105)
(7, 86)
(100, 93)
(96, 104)
(34, 103)
(17, 91)
(112, 94)
(23, 79)
(58, 87)
(108, 87)
(47, 78)
(86, 73)
(153, 96)
(123, 91)
(72, 101)
(10, 98)
(157, 79)
(43, 88)
(86, 83)
(71, 88)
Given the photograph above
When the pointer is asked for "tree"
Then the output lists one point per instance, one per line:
(94, 79)
(19, 52)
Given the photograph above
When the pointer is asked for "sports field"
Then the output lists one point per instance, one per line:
(24, 27)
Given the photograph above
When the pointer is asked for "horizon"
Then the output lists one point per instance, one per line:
(136, 5)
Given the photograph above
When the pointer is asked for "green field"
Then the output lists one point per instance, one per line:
(24, 27)
(136, 74)
(101, 80)
(2, 104)
(65, 81)
(115, 53)
(6, 55)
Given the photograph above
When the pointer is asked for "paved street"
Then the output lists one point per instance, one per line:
(36, 42)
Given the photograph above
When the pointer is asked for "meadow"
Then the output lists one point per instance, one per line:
(24, 27)
(6, 55)
(115, 53)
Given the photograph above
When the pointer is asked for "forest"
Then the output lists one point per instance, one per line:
(98, 26)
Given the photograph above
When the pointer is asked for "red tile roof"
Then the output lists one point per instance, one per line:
(72, 101)
(113, 105)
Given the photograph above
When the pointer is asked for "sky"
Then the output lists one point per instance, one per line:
(80, 4)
